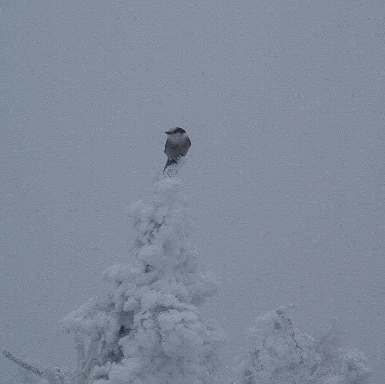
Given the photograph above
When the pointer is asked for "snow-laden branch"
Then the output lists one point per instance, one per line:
(50, 375)
(22, 363)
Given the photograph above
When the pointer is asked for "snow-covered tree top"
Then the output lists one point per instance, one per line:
(282, 354)
(148, 328)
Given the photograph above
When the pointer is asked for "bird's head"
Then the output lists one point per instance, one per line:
(176, 130)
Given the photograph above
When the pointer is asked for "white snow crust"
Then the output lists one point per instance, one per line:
(148, 328)
(282, 354)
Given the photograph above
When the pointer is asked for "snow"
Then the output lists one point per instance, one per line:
(281, 354)
(148, 328)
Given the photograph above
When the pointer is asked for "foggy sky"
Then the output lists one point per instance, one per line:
(284, 104)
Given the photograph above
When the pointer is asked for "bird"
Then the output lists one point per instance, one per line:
(177, 145)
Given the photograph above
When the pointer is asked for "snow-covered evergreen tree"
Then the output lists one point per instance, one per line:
(283, 355)
(148, 328)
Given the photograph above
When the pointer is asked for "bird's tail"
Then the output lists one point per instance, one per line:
(169, 162)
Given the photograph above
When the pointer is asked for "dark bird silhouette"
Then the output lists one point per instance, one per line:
(177, 145)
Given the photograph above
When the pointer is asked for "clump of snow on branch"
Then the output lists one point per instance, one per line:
(148, 329)
(283, 355)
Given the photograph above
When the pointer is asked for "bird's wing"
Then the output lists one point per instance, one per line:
(165, 146)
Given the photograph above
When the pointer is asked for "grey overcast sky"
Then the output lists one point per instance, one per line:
(284, 104)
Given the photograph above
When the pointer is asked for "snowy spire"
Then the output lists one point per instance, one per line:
(148, 328)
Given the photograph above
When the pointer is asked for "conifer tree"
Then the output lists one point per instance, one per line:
(148, 328)
(283, 355)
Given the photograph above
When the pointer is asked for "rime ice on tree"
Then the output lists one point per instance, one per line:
(148, 328)
(283, 355)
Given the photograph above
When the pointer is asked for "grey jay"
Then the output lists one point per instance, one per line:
(177, 145)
